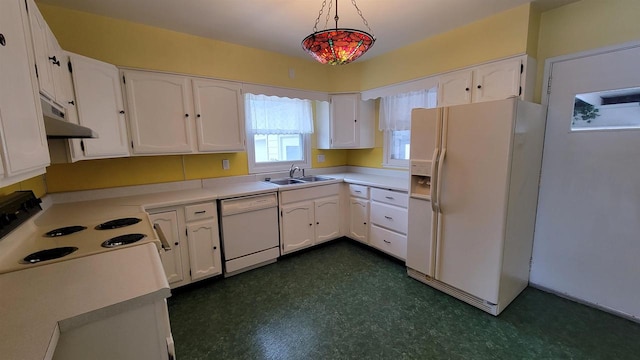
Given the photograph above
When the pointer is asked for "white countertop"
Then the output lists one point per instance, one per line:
(34, 301)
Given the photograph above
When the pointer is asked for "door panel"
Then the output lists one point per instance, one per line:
(327, 216)
(204, 250)
(477, 144)
(298, 230)
(172, 259)
(586, 238)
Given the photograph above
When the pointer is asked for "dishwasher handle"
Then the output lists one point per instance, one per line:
(163, 238)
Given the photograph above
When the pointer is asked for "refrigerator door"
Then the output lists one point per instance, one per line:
(473, 196)
(420, 238)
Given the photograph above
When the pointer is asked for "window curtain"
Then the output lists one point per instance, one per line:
(395, 110)
(277, 115)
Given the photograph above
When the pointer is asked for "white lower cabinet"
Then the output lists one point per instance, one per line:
(192, 232)
(309, 216)
(359, 219)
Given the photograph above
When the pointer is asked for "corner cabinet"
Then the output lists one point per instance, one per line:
(309, 216)
(192, 232)
(175, 114)
(346, 122)
(24, 145)
(493, 81)
(359, 213)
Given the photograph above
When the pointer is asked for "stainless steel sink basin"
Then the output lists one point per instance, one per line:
(286, 181)
(313, 178)
(299, 180)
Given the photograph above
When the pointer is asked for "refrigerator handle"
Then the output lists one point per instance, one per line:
(434, 183)
(439, 178)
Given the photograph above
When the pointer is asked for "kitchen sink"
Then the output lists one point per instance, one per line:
(299, 180)
(313, 178)
(286, 181)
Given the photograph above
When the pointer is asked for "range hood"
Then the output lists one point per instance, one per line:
(57, 128)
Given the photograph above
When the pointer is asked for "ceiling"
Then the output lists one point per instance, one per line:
(280, 25)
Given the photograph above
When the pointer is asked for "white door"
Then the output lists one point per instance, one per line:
(219, 109)
(160, 112)
(472, 195)
(358, 218)
(171, 259)
(100, 107)
(39, 33)
(25, 145)
(344, 116)
(204, 249)
(454, 88)
(327, 216)
(297, 226)
(497, 81)
(587, 229)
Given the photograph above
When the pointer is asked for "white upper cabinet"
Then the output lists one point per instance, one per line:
(494, 81)
(24, 145)
(160, 112)
(347, 122)
(99, 107)
(219, 113)
(175, 114)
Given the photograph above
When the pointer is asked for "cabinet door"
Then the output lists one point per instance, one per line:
(24, 145)
(100, 107)
(344, 120)
(204, 249)
(297, 226)
(171, 259)
(358, 219)
(39, 34)
(219, 109)
(327, 217)
(160, 114)
(497, 81)
(455, 88)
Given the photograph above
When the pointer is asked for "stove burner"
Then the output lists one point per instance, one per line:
(118, 223)
(48, 254)
(65, 231)
(123, 240)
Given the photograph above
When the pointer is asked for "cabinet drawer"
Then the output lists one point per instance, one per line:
(200, 211)
(390, 197)
(359, 191)
(388, 241)
(390, 217)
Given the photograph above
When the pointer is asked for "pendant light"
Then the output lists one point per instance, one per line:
(337, 46)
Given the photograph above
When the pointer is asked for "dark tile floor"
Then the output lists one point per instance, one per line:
(346, 301)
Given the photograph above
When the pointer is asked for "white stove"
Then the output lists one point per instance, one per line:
(70, 232)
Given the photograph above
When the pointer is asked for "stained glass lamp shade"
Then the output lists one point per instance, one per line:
(337, 46)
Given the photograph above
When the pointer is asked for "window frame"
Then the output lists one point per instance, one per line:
(387, 161)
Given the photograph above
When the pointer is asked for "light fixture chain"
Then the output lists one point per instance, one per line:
(326, 22)
(315, 26)
(366, 23)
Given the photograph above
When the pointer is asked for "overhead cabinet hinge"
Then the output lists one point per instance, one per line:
(132, 144)
(124, 81)
(549, 86)
(186, 232)
(520, 91)
(26, 5)
(70, 66)
(82, 146)
(521, 68)
(36, 65)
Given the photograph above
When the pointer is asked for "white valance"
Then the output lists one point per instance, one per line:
(277, 115)
(395, 110)
(285, 92)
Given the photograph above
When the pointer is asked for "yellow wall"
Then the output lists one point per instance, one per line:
(585, 25)
(35, 184)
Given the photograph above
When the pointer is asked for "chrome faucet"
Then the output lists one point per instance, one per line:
(292, 170)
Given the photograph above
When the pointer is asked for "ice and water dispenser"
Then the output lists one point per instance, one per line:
(425, 141)
(420, 179)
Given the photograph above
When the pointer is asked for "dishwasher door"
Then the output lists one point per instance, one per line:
(250, 232)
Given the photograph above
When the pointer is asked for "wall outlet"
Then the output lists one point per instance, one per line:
(225, 164)
(321, 158)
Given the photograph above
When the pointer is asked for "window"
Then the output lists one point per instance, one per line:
(395, 122)
(278, 130)
(607, 110)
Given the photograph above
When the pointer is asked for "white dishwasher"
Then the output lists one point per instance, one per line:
(249, 232)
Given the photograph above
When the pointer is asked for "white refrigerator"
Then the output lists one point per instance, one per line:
(473, 195)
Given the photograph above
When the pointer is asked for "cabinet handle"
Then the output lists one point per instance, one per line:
(200, 212)
(176, 243)
(122, 112)
(311, 224)
(365, 223)
(388, 217)
(466, 89)
(388, 242)
(54, 60)
(479, 86)
(355, 120)
(318, 223)
(198, 115)
(3, 41)
(215, 248)
(186, 115)
(389, 197)
(71, 102)
(358, 192)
